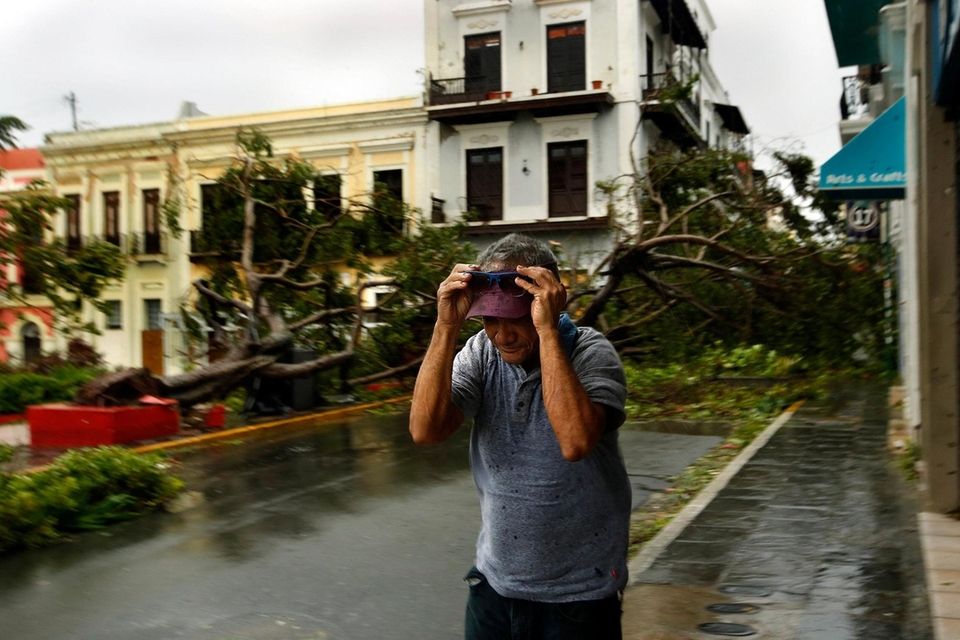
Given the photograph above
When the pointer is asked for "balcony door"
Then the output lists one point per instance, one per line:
(485, 183)
(73, 223)
(566, 57)
(567, 179)
(151, 337)
(111, 217)
(151, 221)
(481, 63)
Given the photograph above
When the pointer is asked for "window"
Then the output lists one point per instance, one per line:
(111, 217)
(73, 222)
(567, 178)
(326, 195)
(481, 63)
(566, 57)
(114, 314)
(154, 313)
(389, 183)
(151, 220)
(485, 183)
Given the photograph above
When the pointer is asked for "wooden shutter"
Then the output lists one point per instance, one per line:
(566, 57)
(481, 62)
(74, 241)
(567, 179)
(485, 182)
(151, 221)
(111, 217)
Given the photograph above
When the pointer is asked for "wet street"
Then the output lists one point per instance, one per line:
(343, 531)
(814, 539)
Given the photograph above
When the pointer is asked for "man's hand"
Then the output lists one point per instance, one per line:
(549, 297)
(454, 297)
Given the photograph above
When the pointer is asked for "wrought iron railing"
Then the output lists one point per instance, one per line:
(665, 87)
(855, 101)
(201, 244)
(145, 243)
(453, 90)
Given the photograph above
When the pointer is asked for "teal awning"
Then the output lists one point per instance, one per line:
(872, 166)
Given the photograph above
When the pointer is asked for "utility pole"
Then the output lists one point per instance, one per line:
(71, 99)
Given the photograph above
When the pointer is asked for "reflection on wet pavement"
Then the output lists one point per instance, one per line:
(818, 532)
(343, 531)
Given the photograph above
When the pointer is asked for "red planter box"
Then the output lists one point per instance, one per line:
(65, 425)
(216, 417)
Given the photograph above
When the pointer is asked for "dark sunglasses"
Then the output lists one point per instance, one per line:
(505, 281)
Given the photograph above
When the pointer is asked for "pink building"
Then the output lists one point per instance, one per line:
(26, 331)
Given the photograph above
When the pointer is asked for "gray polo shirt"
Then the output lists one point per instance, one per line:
(553, 530)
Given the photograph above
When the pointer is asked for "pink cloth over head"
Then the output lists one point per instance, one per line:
(495, 303)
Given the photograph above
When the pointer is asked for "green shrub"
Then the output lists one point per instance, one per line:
(20, 390)
(83, 489)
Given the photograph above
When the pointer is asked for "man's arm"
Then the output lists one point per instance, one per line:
(433, 415)
(577, 421)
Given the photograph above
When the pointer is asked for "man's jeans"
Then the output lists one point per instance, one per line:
(490, 616)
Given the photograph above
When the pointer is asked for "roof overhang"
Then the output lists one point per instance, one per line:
(678, 20)
(855, 26)
(872, 166)
(732, 118)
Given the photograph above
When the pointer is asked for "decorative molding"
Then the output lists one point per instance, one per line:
(483, 23)
(485, 139)
(544, 3)
(566, 132)
(478, 8)
(566, 14)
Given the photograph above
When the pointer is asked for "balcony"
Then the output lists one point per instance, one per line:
(456, 90)
(673, 106)
(143, 246)
(202, 247)
(146, 246)
(460, 101)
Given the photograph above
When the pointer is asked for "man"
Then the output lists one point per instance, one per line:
(546, 399)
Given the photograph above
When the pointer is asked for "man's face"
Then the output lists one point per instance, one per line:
(515, 338)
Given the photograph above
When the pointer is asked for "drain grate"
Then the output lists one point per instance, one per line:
(745, 590)
(731, 607)
(726, 629)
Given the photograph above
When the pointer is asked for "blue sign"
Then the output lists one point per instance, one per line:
(872, 165)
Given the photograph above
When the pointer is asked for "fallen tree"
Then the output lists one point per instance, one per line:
(708, 249)
(274, 282)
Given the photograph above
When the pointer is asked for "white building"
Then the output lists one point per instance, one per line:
(533, 102)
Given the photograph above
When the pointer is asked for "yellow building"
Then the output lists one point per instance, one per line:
(117, 179)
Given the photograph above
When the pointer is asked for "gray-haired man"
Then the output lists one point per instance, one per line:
(546, 400)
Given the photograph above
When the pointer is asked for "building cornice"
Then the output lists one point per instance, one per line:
(415, 117)
(480, 8)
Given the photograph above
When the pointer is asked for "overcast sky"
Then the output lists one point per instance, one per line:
(131, 62)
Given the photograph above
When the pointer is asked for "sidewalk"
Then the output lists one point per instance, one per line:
(816, 537)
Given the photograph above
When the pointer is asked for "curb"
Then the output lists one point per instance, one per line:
(652, 549)
(265, 426)
(209, 438)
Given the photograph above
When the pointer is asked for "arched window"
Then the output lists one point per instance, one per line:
(32, 350)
